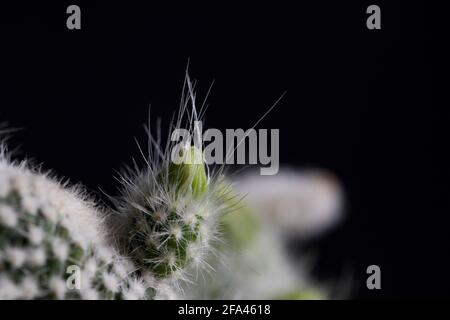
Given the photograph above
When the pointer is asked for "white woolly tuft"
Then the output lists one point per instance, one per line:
(29, 288)
(60, 204)
(36, 235)
(8, 216)
(58, 287)
(37, 256)
(15, 256)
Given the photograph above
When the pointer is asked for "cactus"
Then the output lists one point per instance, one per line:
(159, 233)
(293, 204)
(170, 217)
(154, 239)
(167, 217)
(45, 228)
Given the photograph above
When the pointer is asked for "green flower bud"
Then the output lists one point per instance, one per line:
(189, 175)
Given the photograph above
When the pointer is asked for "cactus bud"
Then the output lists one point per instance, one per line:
(189, 174)
(171, 221)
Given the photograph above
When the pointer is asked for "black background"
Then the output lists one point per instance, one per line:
(359, 102)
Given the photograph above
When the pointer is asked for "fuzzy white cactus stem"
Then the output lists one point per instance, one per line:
(168, 213)
(46, 227)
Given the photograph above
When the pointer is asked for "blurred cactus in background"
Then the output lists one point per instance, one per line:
(292, 204)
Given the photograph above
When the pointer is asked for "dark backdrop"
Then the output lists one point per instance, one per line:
(359, 102)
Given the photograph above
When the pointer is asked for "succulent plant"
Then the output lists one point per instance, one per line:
(293, 204)
(56, 243)
(167, 217)
(49, 231)
(170, 222)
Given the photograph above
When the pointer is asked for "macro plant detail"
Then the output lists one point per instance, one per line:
(175, 230)
(46, 227)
